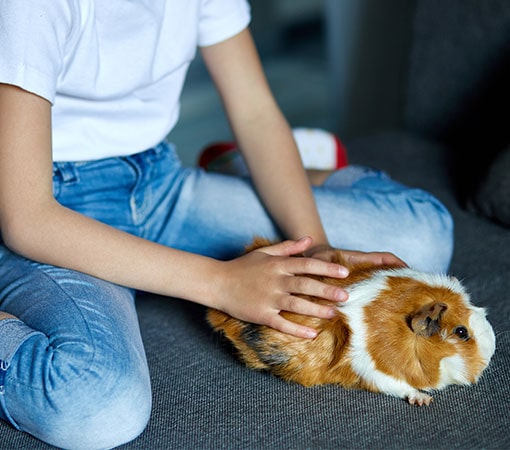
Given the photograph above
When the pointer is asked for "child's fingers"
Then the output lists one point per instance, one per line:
(286, 326)
(305, 266)
(314, 266)
(376, 258)
(298, 305)
(300, 285)
(288, 247)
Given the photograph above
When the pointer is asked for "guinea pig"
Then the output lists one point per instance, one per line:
(402, 332)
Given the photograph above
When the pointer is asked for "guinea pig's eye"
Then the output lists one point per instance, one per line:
(461, 332)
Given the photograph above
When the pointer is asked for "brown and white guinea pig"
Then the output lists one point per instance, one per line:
(402, 332)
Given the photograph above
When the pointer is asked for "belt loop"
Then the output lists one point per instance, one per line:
(4, 365)
(67, 171)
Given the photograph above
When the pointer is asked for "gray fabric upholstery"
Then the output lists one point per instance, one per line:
(206, 400)
(492, 198)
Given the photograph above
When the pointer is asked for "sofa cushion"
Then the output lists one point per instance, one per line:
(492, 198)
(458, 53)
(458, 83)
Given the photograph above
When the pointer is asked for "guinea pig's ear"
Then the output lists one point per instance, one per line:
(425, 321)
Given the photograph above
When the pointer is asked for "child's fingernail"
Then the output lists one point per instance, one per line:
(341, 295)
(332, 313)
(310, 334)
(343, 272)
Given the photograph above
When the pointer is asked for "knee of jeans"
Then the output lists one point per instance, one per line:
(433, 237)
(98, 412)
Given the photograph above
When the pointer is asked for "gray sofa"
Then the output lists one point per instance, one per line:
(451, 131)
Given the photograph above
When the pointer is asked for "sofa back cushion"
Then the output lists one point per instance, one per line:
(459, 67)
(458, 87)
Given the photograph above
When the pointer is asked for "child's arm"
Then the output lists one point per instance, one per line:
(268, 145)
(35, 225)
(264, 136)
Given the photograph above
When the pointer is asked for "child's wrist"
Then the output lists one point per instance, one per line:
(218, 285)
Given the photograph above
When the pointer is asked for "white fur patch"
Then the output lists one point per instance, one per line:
(431, 279)
(452, 370)
(361, 294)
(482, 333)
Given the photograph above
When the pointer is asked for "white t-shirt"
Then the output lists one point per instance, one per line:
(113, 69)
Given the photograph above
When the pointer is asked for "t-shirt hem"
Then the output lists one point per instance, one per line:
(224, 29)
(29, 79)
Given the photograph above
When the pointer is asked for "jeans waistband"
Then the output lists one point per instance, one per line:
(68, 171)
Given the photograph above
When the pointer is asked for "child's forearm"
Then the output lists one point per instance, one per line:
(276, 169)
(282, 182)
(61, 237)
(264, 137)
(36, 226)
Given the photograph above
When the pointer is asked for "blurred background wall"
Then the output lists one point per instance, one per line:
(334, 64)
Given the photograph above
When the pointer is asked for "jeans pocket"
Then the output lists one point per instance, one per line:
(140, 194)
(98, 189)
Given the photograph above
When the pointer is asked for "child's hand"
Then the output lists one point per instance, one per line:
(257, 286)
(326, 253)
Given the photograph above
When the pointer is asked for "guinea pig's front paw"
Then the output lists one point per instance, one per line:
(419, 398)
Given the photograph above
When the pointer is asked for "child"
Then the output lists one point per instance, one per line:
(95, 205)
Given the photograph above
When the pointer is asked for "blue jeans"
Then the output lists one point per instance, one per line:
(73, 370)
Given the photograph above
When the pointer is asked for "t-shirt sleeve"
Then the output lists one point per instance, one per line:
(222, 19)
(33, 36)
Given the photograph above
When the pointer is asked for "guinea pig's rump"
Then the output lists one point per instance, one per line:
(323, 360)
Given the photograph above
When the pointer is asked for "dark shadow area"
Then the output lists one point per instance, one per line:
(480, 131)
